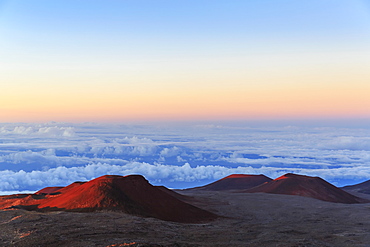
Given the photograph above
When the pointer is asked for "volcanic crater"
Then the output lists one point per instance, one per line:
(130, 194)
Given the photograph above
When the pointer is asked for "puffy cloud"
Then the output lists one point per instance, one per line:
(45, 131)
(57, 131)
(169, 152)
(22, 130)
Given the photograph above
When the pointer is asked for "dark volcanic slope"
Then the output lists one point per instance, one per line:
(131, 194)
(363, 187)
(174, 194)
(236, 182)
(314, 187)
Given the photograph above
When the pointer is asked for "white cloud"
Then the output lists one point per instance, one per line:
(169, 152)
(57, 131)
(37, 130)
(180, 159)
(48, 158)
(347, 143)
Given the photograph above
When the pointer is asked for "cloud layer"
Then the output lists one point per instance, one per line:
(33, 156)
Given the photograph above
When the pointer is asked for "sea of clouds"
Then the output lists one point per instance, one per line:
(33, 156)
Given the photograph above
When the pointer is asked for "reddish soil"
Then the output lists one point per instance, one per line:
(314, 187)
(70, 187)
(236, 182)
(130, 194)
(48, 190)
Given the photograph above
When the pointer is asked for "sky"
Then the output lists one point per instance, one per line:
(183, 92)
(139, 60)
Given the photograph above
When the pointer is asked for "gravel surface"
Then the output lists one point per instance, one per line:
(256, 219)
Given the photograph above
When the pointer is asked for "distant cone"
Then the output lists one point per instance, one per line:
(314, 187)
(235, 182)
(363, 187)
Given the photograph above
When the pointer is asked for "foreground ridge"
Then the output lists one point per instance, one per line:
(129, 194)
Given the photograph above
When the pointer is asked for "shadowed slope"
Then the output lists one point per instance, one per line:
(131, 194)
(314, 187)
(363, 187)
(174, 193)
(235, 182)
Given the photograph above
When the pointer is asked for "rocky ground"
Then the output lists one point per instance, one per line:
(255, 219)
